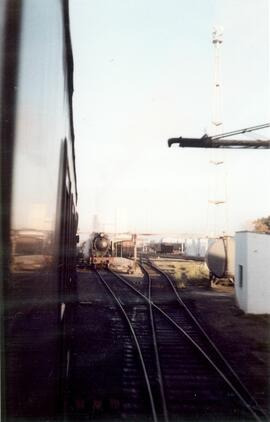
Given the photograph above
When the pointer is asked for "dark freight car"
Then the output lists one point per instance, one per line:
(166, 248)
(124, 249)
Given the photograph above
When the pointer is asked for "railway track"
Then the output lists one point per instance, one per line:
(171, 369)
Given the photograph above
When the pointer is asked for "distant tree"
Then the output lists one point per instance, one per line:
(262, 224)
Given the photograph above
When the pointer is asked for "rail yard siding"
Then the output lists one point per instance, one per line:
(252, 272)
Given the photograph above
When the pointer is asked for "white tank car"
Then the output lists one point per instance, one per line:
(220, 258)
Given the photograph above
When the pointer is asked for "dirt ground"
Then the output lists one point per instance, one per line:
(244, 339)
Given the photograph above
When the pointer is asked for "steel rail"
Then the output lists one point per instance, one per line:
(146, 377)
(155, 344)
(199, 348)
(194, 319)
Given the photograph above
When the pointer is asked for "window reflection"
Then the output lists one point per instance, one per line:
(32, 250)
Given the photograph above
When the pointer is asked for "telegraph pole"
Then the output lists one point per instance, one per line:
(218, 176)
(217, 41)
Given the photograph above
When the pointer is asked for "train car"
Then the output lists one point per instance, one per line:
(124, 248)
(38, 216)
(98, 251)
(220, 259)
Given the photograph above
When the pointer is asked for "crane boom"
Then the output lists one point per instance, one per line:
(217, 141)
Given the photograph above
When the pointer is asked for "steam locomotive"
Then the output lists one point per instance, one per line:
(97, 251)
(38, 218)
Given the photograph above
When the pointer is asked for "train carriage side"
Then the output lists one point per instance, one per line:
(38, 218)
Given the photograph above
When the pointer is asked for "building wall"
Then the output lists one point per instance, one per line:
(241, 287)
(196, 247)
(252, 260)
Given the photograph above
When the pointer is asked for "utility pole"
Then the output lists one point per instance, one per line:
(135, 246)
(217, 41)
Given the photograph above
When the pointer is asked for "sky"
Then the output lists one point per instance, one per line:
(144, 73)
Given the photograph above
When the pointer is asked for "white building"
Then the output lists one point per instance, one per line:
(196, 247)
(252, 272)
